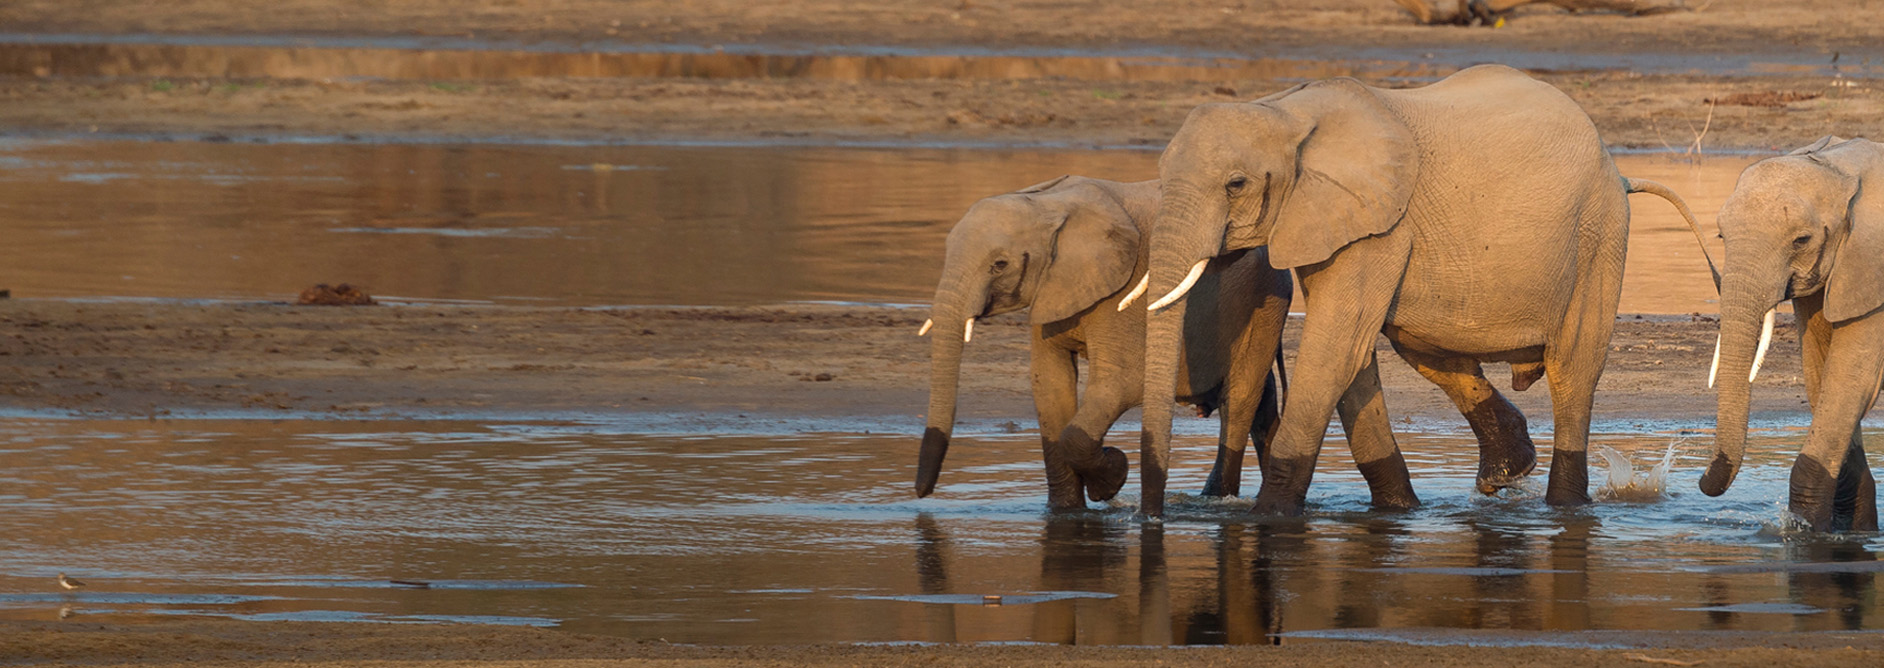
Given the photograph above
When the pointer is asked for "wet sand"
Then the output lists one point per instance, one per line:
(687, 368)
(313, 643)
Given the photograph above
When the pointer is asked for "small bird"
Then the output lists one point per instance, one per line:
(69, 583)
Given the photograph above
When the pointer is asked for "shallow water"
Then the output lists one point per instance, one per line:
(808, 537)
(586, 225)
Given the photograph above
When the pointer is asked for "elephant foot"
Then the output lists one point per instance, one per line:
(1285, 487)
(1108, 478)
(1506, 468)
(1569, 479)
(1389, 483)
(1226, 478)
(1812, 492)
(1277, 505)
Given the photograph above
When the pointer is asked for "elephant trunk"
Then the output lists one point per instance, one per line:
(952, 315)
(1747, 301)
(1177, 248)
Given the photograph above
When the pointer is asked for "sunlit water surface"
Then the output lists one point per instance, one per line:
(588, 225)
(804, 538)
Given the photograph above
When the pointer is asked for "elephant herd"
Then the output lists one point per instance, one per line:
(1477, 219)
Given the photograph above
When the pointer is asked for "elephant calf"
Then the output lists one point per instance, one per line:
(1067, 249)
(1807, 226)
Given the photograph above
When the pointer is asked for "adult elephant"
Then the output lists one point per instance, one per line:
(1807, 226)
(1067, 249)
(1475, 219)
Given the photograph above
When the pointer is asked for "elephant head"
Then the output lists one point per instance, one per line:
(1797, 225)
(1058, 247)
(1304, 172)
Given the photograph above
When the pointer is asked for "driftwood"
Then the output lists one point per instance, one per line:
(1488, 12)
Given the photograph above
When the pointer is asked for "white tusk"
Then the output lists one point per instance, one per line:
(1715, 366)
(1137, 291)
(926, 324)
(1190, 279)
(1766, 339)
(968, 331)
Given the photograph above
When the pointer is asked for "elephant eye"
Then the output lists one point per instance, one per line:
(1236, 184)
(1802, 241)
(1000, 265)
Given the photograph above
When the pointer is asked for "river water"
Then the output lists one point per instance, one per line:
(803, 538)
(588, 225)
(616, 528)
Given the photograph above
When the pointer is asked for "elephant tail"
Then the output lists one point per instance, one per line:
(1653, 188)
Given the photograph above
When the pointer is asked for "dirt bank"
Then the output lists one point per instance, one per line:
(1639, 111)
(1812, 29)
(724, 367)
(313, 643)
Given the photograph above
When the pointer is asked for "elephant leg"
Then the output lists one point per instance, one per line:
(1056, 387)
(1101, 470)
(1505, 451)
(1226, 476)
(1852, 367)
(1348, 297)
(1249, 390)
(1854, 499)
(1854, 502)
(1363, 411)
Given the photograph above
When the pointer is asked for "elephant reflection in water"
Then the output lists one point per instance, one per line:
(1837, 577)
(1260, 575)
(1079, 553)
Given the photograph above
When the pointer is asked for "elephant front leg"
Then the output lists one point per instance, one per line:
(1347, 297)
(1101, 469)
(1505, 451)
(1831, 470)
(1055, 387)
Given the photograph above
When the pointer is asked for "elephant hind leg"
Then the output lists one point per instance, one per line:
(1505, 451)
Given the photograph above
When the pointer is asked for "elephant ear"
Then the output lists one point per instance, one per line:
(1043, 185)
(1856, 285)
(1355, 171)
(1093, 256)
(1819, 145)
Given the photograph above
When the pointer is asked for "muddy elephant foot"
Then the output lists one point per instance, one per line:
(1506, 466)
(1104, 481)
(1569, 479)
(1277, 504)
(1812, 493)
(1854, 503)
(1226, 478)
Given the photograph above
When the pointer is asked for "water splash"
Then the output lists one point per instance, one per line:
(1622, 483)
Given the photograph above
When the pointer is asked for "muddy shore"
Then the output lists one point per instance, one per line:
(749, 368)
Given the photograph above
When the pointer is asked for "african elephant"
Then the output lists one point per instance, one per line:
(1475, 219)
(1807, 226)
(1067, 249)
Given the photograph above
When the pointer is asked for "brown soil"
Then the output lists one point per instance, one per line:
(705, 366)
(1817, 27)
(313, 643)
(1655, 111)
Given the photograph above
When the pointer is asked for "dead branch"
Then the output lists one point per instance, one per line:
(1487, 12)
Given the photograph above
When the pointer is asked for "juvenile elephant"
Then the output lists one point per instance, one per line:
(1068, 248)
(1807, 226)
(1475, 219)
